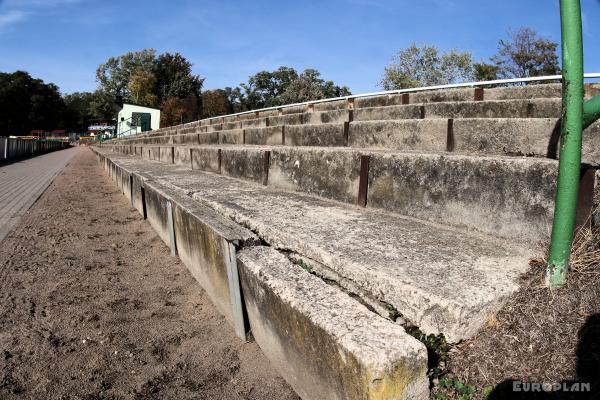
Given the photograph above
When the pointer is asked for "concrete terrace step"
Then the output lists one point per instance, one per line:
(441, 279)
(324, 343)
(260, 118)
(510, 197)
(537, 137)
(528, 108)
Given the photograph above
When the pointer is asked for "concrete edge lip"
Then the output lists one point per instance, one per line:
(226, 228)
(337, 348)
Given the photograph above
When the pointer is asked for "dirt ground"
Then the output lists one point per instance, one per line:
(92, 306)
(539, 336)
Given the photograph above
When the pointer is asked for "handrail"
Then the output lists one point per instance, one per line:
(119, 133)
(572, 123)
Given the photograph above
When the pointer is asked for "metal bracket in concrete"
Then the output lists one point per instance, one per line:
(235, 294)
(131, 189)
(171, 228)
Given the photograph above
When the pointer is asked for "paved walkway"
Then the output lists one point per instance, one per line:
(23, 182)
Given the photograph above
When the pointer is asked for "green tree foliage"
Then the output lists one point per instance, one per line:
(174, 77)
(280, 87)
(28, 104)
(485, 72)
(83, 108)
(103, 105)
(264, 89)
(526, 54)
(427, 66)
(309, 86)
(141, 88)
(113, 76)
(78, 113)
(144, 78)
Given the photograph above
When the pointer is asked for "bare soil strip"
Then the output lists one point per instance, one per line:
(92, 306)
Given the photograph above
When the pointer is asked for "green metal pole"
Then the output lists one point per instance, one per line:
(591, 111)
(570, 144)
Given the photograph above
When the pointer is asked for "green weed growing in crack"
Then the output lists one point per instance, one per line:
(437, 351)
(448, 388)
(393, 313)
(304, 266)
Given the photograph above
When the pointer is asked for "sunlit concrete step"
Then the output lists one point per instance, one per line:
(509, 197)
(441, 279)
(323, 342)
(536, 137)
(326, 344)
(528, 108)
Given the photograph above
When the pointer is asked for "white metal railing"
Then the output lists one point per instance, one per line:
(591, 75)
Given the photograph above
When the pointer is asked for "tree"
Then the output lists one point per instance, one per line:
(485, 72)
(426, 66)
(141, 86)
(27, 103)
(78, 113)
(282, 86)
(309, 86)
(113, 76)
(174, 77)
(265, 88)
(215, 103)
(235, 99)
(172, 112)
(526, 54)
(103, 105)
(143, 78)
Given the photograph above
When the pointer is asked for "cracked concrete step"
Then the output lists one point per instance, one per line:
(510, 197)
(525, 108)
(323, 342)
(441, 279)
(462, 94)
(338, 349)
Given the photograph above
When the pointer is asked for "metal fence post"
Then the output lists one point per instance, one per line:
(569, 168)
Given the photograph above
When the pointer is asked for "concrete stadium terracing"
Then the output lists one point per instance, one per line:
(308, 224)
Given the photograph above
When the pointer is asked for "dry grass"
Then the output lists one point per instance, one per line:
(540, 335)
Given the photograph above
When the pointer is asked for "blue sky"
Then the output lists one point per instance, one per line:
(349, 41)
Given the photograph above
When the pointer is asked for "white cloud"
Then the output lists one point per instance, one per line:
(16, 11)
(12, 17)
(36, 3)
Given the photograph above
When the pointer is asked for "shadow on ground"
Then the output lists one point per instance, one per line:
(587, 384)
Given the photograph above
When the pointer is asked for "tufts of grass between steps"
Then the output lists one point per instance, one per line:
(539, 336)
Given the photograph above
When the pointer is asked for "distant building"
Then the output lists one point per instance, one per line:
(133, 119)
(101, 128)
